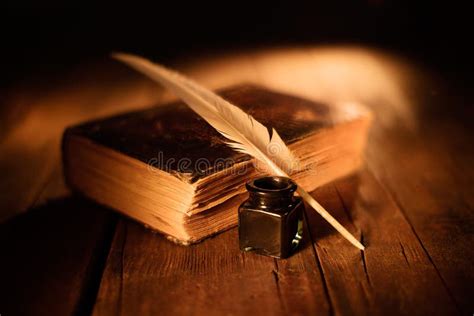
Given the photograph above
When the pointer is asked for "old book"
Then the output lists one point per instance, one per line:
(170, 170)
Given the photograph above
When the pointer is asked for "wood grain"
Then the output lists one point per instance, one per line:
(147, 274)
(330, 276)
(435, 192)
(393, 275)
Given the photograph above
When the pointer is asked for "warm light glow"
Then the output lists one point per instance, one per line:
(328, 74)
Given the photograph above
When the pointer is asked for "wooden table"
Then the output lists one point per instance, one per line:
(412, 205)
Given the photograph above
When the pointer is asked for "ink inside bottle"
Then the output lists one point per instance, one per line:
(271, 219)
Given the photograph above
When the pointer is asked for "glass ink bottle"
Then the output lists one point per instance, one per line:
(271, 219)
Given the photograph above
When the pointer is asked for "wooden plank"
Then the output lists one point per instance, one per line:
(146, 274)
(151, 275)
(302, 289)
(431, 177)
(52, 258)
(393, 275)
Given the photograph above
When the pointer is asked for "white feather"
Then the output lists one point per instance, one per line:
(245, 134)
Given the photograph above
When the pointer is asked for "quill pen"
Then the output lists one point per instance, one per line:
(244, 133)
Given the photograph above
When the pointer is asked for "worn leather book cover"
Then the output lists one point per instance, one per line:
(169, 169)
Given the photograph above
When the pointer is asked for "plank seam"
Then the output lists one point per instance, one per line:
(403, 253)
(364, 260)
(362, 253)
(318, 264)
(95, 269)
(122, 260)
(275, 273)
(403, 212)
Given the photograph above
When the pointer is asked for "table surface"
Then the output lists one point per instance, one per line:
(411, 204)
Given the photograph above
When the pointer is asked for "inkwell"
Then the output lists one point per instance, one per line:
(271, 219)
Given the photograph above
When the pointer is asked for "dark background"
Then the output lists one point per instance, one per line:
(41, 37)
